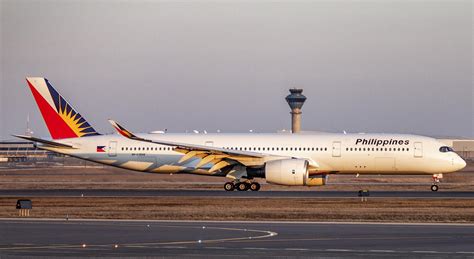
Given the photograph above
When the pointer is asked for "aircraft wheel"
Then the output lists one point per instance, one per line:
(243, 186)
(434, 188)
(229, 186)
(254, 186)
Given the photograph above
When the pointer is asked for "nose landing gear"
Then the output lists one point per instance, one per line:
(241, 186)
(436, 179)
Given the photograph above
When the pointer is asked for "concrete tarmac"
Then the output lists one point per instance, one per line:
(223, 194)
(206, 239)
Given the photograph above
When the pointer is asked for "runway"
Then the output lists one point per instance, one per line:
(219, 239)
(223, 194)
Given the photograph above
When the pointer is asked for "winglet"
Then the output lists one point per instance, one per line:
(124, 132)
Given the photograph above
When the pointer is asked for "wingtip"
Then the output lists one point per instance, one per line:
(112, 122)
(121, 130)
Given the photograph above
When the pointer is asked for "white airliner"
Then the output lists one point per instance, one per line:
(285, 159)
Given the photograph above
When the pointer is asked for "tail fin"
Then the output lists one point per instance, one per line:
(61, 119)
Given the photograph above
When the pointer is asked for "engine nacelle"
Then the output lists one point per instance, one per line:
(291, 172)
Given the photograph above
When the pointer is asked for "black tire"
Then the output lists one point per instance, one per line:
(434, 188)
(255, 186)
(243, 186)
(229, 186)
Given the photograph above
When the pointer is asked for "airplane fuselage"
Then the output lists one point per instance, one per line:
(326, 152)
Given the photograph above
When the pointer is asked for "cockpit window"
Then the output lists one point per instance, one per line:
(445, 149)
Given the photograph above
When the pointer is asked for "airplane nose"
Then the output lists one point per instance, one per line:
(459, 163)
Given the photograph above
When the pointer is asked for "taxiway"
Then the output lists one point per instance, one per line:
(219, 239)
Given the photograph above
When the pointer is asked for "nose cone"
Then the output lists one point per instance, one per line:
(459, 163)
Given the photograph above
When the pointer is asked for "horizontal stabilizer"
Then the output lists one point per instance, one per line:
(43, 141)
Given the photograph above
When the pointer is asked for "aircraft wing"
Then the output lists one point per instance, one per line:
(220, 157)
(44, 141)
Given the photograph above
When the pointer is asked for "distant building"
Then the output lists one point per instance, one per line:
(21, 151)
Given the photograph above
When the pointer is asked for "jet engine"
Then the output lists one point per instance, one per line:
(291, 172)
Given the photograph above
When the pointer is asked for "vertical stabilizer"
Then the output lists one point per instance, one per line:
(62, 120)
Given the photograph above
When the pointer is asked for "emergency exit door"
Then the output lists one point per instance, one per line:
(336, 148)
(113, 148)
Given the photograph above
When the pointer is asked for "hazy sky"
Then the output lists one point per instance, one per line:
(365, 66)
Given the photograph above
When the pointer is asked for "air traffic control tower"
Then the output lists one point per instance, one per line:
(296, 100)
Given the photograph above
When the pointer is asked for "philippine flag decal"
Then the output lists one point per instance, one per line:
(100, 149)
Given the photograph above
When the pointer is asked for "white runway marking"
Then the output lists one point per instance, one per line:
(339, 250)
(296, 249)
(426, 252)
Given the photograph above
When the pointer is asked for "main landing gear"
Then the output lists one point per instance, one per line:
(241, 186)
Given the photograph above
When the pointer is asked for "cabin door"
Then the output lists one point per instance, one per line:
(113, 148)
(418, 149)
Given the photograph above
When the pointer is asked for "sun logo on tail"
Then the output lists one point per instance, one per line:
(73, 120)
